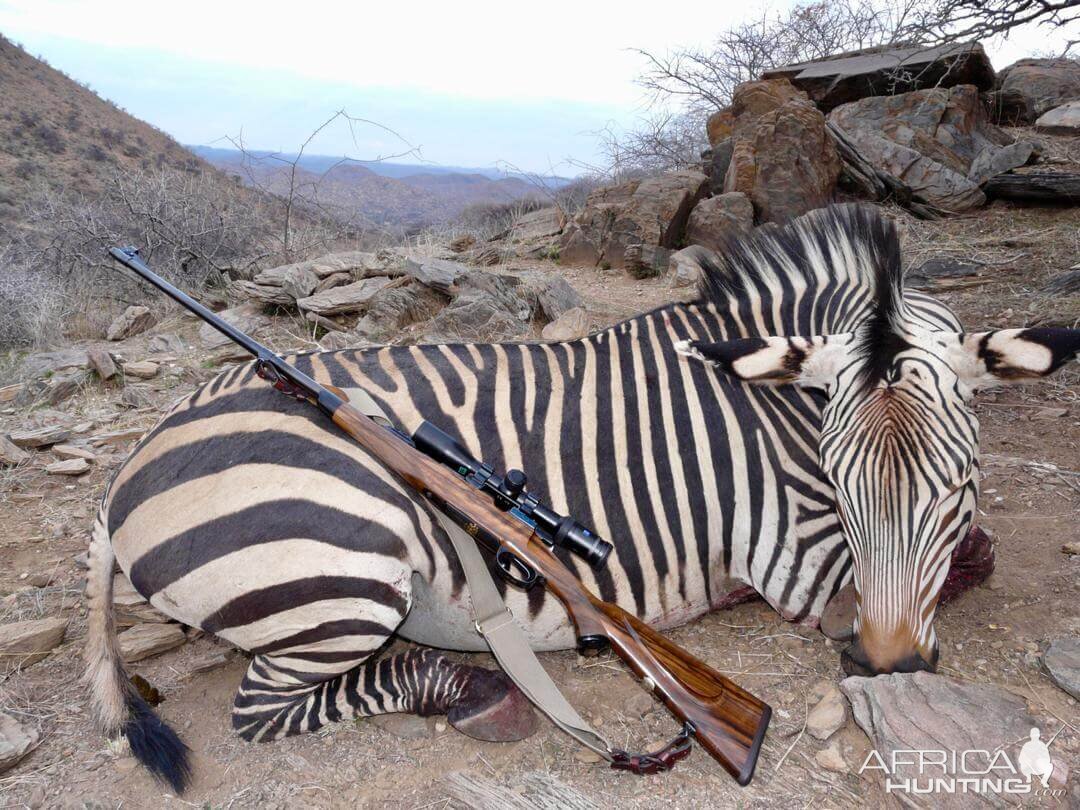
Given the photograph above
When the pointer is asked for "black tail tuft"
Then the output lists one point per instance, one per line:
(156, 745)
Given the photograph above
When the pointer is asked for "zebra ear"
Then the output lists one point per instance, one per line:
(1006, 355)
(809, 361)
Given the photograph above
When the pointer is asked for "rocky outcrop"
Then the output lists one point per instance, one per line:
(782, 156)
(391, 310)
(1031, 87)
(650, 212)
(885, 71)
(717, 218)
(719, 126)
(350, 298)
(1063, 120)
(928, 139)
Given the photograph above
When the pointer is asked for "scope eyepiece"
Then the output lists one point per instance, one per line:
(575, 538)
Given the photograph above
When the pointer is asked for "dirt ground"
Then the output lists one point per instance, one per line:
(992, 634)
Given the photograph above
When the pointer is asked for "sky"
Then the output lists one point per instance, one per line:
(524, 85)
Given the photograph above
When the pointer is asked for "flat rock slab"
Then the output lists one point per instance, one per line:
(143, 369)
(16, 741)
(10, 453)
(438, 274)
(1063, 120)
(1062, 662)
(26, 643)
(145, 640)
(40, 437)
(925, 712)
(129, 606)
(69, 466)
(349, 298)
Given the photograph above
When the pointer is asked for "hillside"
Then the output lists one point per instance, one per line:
(392, 198)
(60, 133)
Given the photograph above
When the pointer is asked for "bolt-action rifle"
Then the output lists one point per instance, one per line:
(522, 533)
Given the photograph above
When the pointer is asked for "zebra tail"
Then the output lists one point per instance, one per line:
(119, 710)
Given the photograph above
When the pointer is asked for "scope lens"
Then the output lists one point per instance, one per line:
(579, 540)
(444, 448)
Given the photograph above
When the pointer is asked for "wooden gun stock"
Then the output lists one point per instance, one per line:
(727, 720)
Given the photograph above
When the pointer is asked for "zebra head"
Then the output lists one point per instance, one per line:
(899, 446)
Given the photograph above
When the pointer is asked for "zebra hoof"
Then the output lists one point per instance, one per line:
(493, 709)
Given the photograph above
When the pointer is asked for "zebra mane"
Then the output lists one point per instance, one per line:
(832, 270)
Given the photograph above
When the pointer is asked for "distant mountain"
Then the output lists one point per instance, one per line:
(391, 195)
(320, 163)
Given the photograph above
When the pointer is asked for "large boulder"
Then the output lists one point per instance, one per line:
(651, 212)
(784, 160)
(1031, 87)
(719, 126)
(717, 218)
(751, 100)
(886, 71)
(927, 138)
(1063, 120)
(392, 309)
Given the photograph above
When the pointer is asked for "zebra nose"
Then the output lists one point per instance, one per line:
(855, 661)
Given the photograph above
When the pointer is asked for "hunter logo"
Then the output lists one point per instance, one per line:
(974, 771)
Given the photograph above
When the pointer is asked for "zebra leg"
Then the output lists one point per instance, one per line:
(275, 701)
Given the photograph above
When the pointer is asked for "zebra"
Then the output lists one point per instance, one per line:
(804, 423)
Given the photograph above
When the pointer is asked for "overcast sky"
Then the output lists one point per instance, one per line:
(470, 83)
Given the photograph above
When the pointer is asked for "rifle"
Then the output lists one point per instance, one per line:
(502, 516)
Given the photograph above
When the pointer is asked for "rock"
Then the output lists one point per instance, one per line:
(129, 606)
(71, 451)
(751, 100)
(145, 640)
(1062, 662)
(928, 139)
(117, 437)
(719, 126)
(646, 261)
(838, 617)
(71, 466)
(167, 343)
(649, 212)
(16, 741)
(549, 293)
(133, 321)
(336, 280)
(335, 341)
(102, 363)
(784, 161)
(439, 274)
(25, 643)
(143, 369)
(541, 224)
(828, 715)
(10, 453)
(245, 317)
(481, 316)
(61, 386)
(994, 160)
(462, 243)
(350, 298)
(393, 309)
(42, 364)
(1063, 120)
(260, 294)
(9, 393)
(926, 275)
(886, 71)
(1031, 87)
(720, 160)
(685, 265)
(1072, 548)
(405, 726)
(136, 397)
(571, 325)
(40, 437)
(717, 218)
(360, 264)
(831, 758)
(920, 711)
(295, 280)
(486, 256)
